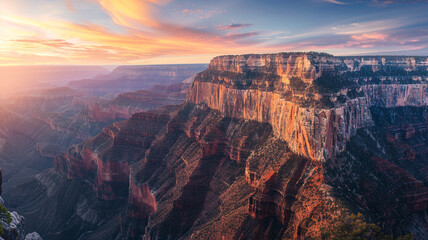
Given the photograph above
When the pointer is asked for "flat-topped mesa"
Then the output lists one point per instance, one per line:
(315, 102)
(286, 65)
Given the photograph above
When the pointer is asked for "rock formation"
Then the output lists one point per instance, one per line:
(318, 132)
(105, 160)
(12, 224)
(276, 146)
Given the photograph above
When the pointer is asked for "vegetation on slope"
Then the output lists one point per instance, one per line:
(4, 217)
(354, 227)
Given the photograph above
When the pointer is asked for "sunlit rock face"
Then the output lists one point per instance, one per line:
(252, 87)
(304, 66)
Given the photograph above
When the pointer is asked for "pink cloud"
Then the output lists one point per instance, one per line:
(191, 12)
(234, 26)
(370, 37)
(70, 5)
(386, 2)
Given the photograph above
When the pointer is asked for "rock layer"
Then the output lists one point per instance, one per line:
(105, 159)
(318, 133)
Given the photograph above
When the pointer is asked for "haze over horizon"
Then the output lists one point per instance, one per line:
(117, 32)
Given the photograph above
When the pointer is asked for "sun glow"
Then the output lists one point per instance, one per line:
(147, 31)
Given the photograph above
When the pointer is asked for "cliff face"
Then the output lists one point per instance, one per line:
(286, 66)
(318, 132)
(105, 159)
(387, 164)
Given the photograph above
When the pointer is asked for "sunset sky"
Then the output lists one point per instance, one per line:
(168, 31)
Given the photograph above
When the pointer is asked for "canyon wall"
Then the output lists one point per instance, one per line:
(105, 159)
(318, 132)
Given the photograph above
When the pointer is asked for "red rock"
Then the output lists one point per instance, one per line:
(105, 159)
(141, 202)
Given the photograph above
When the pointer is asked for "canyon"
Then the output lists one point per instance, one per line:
(265, 146)
(40, 122)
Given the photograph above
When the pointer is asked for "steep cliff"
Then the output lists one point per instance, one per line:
(383, 172)
(252, 87)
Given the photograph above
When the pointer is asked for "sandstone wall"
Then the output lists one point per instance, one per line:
(318, 133)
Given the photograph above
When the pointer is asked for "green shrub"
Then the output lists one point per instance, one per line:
(5, 217)
(332, 81)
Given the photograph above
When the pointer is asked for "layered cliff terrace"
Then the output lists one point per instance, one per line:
(314, 101)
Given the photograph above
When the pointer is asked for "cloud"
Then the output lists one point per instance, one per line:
(404, 40)
(370, 26)
(202, 13)
(131, 13)
(386, 2)
(70, 5)
(242, 35)
(234, 26)
(51, 39)
(136, 31)
(335, 2)
(378, 2)
(191, 12)
(370, 36)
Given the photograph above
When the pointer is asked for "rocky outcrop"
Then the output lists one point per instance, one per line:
(12, 224)
(313, 131)
(49, 151)
(62, 124)
(105, 159)
(141, 202)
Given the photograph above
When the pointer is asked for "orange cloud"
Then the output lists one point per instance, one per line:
(91, 43)
(131, 31)
(131, 13)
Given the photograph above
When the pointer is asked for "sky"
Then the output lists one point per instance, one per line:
(122, 32)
